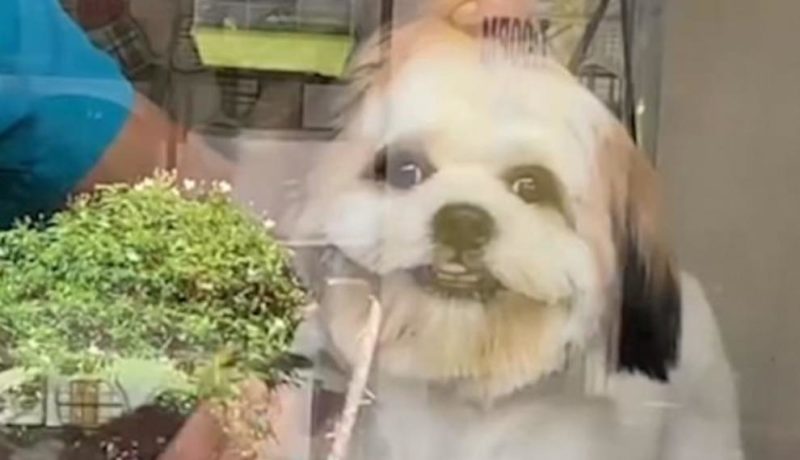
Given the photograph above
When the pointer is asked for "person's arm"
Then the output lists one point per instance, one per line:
(141, 146)
(69, 119)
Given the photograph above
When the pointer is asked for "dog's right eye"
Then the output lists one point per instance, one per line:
(399, 169)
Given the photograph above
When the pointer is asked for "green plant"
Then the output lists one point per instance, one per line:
(156, 272)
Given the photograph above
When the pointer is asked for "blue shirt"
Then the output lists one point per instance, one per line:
(62, 104)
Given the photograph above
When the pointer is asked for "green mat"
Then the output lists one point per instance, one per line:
(319, 53)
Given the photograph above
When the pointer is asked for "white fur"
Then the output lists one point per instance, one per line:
(547, 119)
(693, 418)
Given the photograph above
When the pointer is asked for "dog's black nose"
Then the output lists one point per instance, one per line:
(462, 226)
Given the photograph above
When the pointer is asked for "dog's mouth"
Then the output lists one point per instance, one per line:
(451, 278)
(465, 276)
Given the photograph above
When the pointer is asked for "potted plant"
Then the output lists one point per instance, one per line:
(158, 293)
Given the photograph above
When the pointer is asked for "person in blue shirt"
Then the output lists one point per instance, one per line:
(69, 120)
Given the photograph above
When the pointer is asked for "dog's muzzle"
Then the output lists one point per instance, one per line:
(460, 234)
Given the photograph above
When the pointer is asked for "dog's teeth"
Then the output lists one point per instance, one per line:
(453, 268)
(465, 279)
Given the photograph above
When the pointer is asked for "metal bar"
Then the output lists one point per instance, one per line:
(591, 30)
(386, 25)
(629, 102)
(387, 12)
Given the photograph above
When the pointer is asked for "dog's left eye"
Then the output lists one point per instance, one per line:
(400, 169)
(526, 188)
(534, 184)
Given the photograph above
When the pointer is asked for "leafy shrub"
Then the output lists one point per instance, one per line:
(148, 272)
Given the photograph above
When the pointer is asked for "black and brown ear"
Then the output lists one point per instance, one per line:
(650, 323)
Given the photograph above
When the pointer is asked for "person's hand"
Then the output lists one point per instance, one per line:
(235, 431)
(201, 438)
(217, 433)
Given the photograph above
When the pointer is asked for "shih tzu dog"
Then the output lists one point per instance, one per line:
(512, 234)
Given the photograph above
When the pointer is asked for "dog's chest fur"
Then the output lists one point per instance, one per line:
(411, 421)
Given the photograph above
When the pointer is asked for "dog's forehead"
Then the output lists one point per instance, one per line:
(465, 109)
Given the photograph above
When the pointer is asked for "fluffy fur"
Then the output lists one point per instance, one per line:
(584, 273)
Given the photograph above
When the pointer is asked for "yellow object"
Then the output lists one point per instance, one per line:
(325, 54)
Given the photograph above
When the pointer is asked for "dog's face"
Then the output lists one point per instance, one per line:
(484, 199)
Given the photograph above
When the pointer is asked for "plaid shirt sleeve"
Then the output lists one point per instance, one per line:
(111, 28)
(126, 42)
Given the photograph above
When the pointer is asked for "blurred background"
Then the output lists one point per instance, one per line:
(729, 147)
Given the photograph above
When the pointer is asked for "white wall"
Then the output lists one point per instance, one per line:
(730, 150)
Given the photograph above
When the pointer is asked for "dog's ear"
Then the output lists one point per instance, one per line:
(650, 321)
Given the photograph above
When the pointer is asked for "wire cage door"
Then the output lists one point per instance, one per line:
(618, 57)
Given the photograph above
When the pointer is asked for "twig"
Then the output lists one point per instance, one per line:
(358, 383)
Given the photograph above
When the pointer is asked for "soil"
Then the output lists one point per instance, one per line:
(140, 435)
